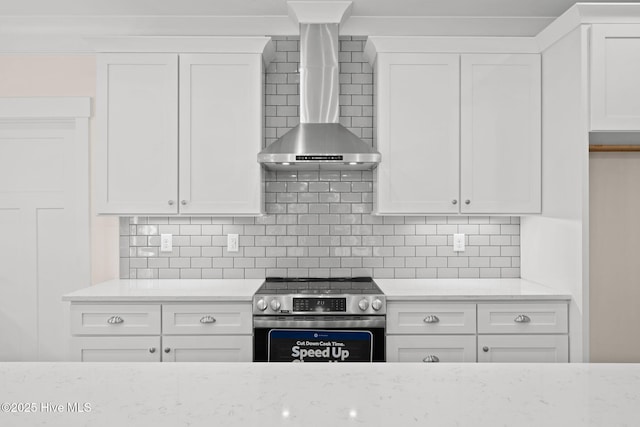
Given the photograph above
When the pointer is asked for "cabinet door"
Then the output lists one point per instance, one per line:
(137, 149)
(615, 67)
(220, 134)
(429, 348)
(523, 348)
(500, 134)
(116, 349)
(232, 348)
(418, 133)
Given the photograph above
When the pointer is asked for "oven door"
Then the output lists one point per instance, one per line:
(319, 339)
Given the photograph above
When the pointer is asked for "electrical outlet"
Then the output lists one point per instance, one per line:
(166, 243)
(232, 242)
(458, 242)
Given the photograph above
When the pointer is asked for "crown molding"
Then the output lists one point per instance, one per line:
(378, 44)
(184, 44)
(160, 44)
(584, 14)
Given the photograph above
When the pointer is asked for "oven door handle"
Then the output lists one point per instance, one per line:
(296, 322)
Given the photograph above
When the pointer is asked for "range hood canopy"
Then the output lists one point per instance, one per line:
(319, 141)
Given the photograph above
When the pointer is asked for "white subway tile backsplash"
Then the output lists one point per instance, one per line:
(319, 223)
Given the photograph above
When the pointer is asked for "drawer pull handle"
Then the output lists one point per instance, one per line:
(431, 358)
(152, 350)
(522, 318)
(208, 319)
(115, 320)
(167, 350)
(485, 349)
(432, 318)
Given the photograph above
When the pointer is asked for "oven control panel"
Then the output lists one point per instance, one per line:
(333, 305)
(302, 304)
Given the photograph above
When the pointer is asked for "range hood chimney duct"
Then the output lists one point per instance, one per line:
(319, 141)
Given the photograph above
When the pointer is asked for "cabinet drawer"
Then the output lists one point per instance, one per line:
(523, 348)
(115, 319)
(207, 349)
(425, 318)
(428, 348)
(543, 318)
(207, 319)
(116, 349)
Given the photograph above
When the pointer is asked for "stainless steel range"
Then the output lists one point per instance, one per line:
(319, 320)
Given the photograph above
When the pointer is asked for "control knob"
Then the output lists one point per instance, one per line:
(376, 304)
(275, 305)
(261, 304)
(363, 304)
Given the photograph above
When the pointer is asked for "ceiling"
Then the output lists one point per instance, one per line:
(68, 25)
(373, 8)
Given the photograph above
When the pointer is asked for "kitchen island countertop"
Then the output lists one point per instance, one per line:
(305, 394)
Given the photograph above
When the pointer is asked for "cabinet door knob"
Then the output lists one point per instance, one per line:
(183, 202)
(431, 359)
(432, 318)
(454, 202)
(207, 319)
(467, 202)
(115, 320)
(522, 318)
(171, 202)
(485, 349)
(152, 350)
(167, 350)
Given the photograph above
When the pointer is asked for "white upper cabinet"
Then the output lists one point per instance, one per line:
(220, 134)
(615, 87)
(458, 132)
(145, 165)
(418, 133)
(500, 163)
(137, 150)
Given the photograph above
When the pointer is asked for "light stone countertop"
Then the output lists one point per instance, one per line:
(147, 290)
(143, 290)
(323, 394)
(467, 289)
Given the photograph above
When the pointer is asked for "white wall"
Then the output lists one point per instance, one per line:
(554, 245)
(65, 75)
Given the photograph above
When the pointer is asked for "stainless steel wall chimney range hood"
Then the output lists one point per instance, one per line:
(319, 141)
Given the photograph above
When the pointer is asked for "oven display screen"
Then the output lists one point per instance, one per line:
(320, 304)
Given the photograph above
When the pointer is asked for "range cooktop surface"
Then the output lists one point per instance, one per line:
(319, 285)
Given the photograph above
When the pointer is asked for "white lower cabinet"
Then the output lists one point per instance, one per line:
(427, 348)
(207, 348)
(116, 349)
(523, 348)
(173, 332)
(500, 331)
